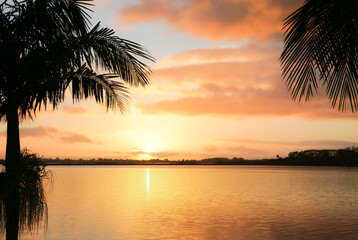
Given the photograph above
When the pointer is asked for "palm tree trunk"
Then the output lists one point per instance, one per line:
(12, 158)
(12, 207)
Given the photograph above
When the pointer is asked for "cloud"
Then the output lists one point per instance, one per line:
(215, 19)
(52, 132)
(242, 150)
(74, 109)
(258, 149)
(230, 81)
(75, 138)
(210, 149)
(248, 102)
(245, 53)
(39, 132)
(162, 154)
(321, 144)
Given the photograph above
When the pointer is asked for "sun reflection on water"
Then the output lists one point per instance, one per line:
(148, 182)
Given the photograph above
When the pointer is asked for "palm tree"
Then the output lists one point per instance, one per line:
(23, 205)
(49, 46)
(321, 43)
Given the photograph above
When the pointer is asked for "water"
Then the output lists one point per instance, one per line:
(202, 202)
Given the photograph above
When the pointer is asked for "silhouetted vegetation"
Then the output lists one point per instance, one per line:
(22, 200)
(321, 45)
(49, 47)
(339, 157)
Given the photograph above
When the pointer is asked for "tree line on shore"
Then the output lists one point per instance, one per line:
(338, 157)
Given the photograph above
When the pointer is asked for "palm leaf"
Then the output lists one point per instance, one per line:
(321, 44)
(86, 83)
(55, 37)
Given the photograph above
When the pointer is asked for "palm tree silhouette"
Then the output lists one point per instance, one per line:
(47, 47)
(321, 42)
(23, 204)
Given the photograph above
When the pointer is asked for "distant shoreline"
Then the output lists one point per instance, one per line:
(347, 157)
(158, 164)
(153, 164)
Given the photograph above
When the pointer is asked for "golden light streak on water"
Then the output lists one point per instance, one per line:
(148, 182)
(202, 203)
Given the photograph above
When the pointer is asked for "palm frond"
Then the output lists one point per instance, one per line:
(119, 56)
(321, 44)
(70, 15)
(85, 83)
(55, 37)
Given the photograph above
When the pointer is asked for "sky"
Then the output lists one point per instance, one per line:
(216, 90)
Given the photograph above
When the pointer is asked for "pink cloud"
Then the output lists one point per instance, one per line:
(74, 109)
(247, 102)
(321, 144)
(215, 19)
(236, 81)
(161, 154)
(210, 149)
(269, 148)
(242, 150)
(43, 132)
(75, 138)
(246, 53)
(40, 131)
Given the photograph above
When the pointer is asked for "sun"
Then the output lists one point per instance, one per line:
(149, 143)
(146, 156)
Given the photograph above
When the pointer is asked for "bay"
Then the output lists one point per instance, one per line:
(201, 202)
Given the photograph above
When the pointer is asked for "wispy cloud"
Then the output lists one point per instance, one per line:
(210, 149)
(160, 154)
(37, 132)
(297, 144)
(234, 81)
(245, 53)
(75, 138)
(73, 109)
(215, 19)
(243, 151)
(51, 132)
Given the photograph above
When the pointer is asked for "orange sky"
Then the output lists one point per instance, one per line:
(216, 90)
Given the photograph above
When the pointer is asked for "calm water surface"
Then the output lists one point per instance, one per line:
(202, 202)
